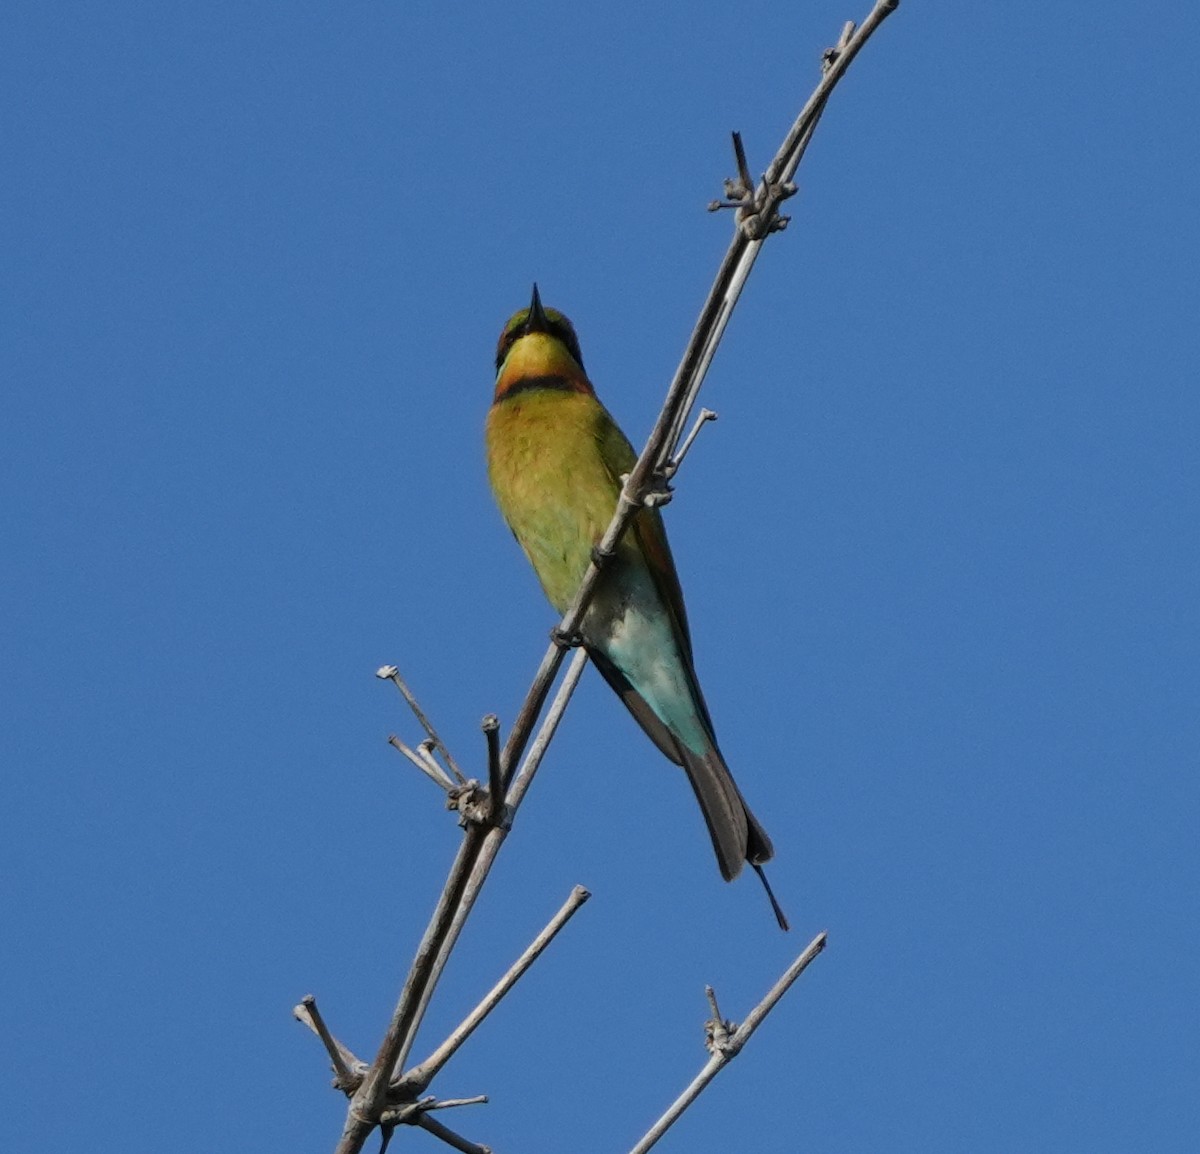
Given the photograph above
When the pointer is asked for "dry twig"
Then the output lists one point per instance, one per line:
(725, 1043)
(380, 1094)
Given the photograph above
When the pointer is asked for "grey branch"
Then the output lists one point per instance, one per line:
(490, 847)
(433, 771)
(648, 473)
(491, 733)
(420, 1076)
(672, 466)
(758, 217)
(476, 855)
(449, 1137)
(726, 1046)
(347, 1069)
(392, 673)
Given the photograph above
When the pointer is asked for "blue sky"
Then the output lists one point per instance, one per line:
(940, 555)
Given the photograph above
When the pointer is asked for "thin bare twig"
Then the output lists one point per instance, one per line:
(368, 1100)
(347, 1068)
(450, 1137)
(726, 1048)
(486, 856)
(417, 1078)
(758, 216)
(491, 733)
(434, 772)
(672, 466)
(475, 857)
(392, 673)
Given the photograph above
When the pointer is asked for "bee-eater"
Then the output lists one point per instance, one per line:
(555, 462)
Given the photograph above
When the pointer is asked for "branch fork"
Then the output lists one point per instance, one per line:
(385, 1093)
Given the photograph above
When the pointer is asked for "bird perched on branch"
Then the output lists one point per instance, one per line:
(555, 461)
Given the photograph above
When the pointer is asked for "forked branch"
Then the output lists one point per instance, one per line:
(381, 1094)
(725, 1044)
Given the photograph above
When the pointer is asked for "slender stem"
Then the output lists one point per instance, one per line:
(392, 673)
(485, 858)
(729, 1049)
(491, 733)
(451, 1103)
(450, 1137)
(784, 165)
(368, 1100)
(435, 773)
(558, 707)
(479, 849)
(342, 1059)
(702, 419)
(754, 1019)
(420, 1076)
(475, 857)
(531, 708)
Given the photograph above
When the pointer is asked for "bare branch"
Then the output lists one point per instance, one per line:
(475, 857)
(449, 1137)
(689, 376)
(726, 1046)
(758, 217)
(672, 466)
(420, 1076)
(434, 772)
(347, 1068)
(486, 855)
(451, 1103)
(491, 733)
(368, 1101)
(417, 1114)
(392, 673)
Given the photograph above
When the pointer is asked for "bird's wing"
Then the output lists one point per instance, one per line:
(637, 705)
(647, 531)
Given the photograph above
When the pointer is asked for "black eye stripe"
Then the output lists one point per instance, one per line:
(567, 336)
(555, 329)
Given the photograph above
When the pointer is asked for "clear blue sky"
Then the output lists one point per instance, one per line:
(940, 554)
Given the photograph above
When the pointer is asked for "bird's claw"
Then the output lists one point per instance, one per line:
(661, 494)
(601, 557)
(565, 640)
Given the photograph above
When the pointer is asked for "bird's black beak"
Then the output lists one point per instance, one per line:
(538, 322)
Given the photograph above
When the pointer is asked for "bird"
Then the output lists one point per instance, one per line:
(556, 461)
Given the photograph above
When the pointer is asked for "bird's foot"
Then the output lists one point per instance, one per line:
(601, 557)
(565, 640)
(659, 493)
